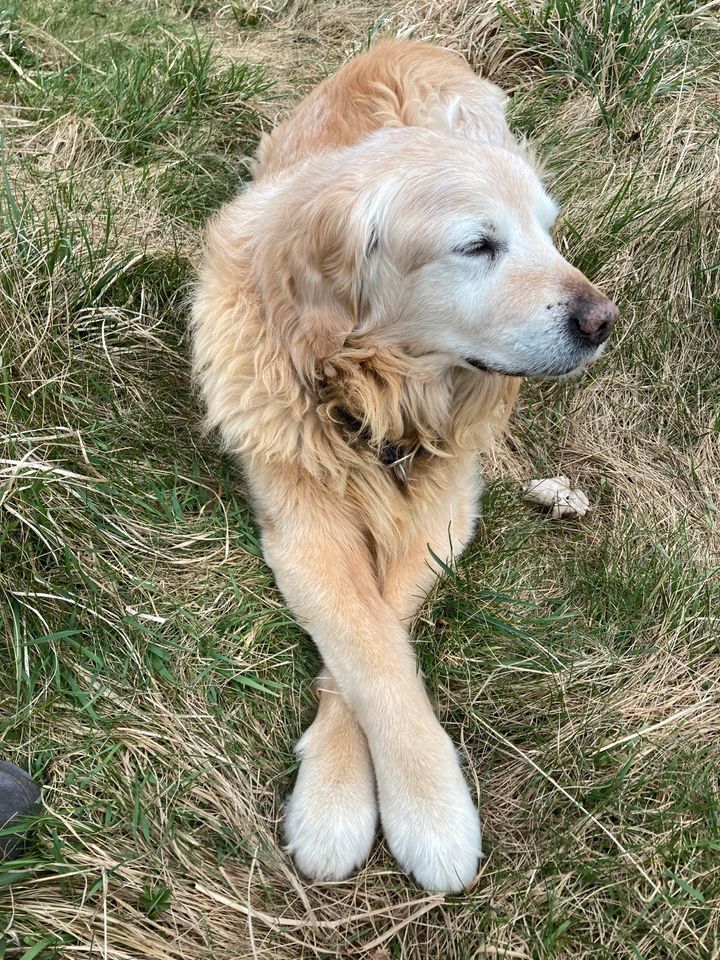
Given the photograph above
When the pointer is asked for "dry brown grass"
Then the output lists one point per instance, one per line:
(153, 680)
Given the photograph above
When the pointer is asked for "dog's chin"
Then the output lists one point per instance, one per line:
(558, 369)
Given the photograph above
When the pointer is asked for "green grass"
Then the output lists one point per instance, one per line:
(151, 678)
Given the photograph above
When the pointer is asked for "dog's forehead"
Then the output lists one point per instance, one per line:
(455, 177)
(500, 192)
(501, 179)
(437, 172)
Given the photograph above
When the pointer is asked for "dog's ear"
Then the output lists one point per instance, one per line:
(324, 318)
(324, 263)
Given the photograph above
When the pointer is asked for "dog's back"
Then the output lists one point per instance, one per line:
(397, 83)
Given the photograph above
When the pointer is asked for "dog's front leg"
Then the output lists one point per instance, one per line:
(331, 816)
(324, 570)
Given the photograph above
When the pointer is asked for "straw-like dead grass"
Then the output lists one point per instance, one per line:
(154, 682)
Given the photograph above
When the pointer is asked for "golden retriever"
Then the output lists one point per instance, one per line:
(364, 314)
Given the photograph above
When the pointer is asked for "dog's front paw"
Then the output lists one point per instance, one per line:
(434, 833)
(331, 816)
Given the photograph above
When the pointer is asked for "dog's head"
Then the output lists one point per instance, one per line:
(437, 246)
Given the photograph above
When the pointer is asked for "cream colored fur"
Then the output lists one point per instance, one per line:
(340, 283)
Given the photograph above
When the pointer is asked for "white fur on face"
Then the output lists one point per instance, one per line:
(506, 309)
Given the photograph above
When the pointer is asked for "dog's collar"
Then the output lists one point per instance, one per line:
(397, 458)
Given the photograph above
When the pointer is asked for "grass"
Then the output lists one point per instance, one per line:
(152, 679)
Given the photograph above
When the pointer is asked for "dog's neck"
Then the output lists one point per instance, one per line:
(397, 457)
(397, 409)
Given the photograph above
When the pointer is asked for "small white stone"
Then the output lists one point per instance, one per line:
(556, 493)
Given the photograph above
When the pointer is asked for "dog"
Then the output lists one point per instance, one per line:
(363, 318)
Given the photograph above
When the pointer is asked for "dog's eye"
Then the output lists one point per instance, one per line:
(483, 247)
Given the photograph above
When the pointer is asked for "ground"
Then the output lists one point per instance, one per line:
(152, 679)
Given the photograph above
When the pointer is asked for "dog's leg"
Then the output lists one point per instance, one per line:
(412, 575)
(444, 533)
(323, 568)
(331, 816)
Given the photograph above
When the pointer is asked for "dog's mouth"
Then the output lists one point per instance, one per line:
(489, 368)
(536, 374)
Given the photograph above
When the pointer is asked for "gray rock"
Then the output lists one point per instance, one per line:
(19, 797)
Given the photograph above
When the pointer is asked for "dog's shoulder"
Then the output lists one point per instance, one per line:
(396, 83)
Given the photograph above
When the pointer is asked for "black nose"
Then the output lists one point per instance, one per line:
(592, 319)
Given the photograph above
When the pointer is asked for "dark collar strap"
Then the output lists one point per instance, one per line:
(397, 457)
